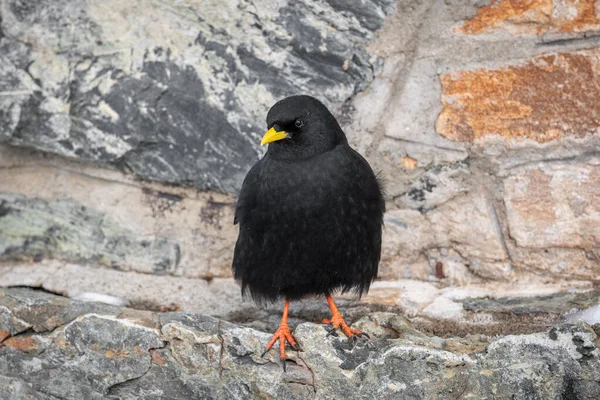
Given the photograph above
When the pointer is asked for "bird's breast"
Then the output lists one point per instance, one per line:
(317, 195)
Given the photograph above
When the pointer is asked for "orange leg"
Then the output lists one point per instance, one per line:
(282, 334)
(337, 321)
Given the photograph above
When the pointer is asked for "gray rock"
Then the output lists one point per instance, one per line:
(438, 185)
(590, 315)
(567, 352)
(122, 353)
(557, 303)
(11, 325)
(184, 109)
(13, 388)
(111, 217)
(33, 228)
(43, 312)
(486, 308)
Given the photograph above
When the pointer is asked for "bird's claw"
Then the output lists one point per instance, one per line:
(283, 335)
(283, 360)
(296, 347)
(337, 322)
(360, 335)
(331, 331)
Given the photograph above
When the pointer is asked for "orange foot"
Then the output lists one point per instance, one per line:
(337, 322)
(283, 334)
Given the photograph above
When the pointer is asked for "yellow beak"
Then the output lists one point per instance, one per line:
(272, 136)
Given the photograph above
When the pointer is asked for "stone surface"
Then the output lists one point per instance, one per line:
(491, 228)
(590, 315)
(118, 354)
(120, 98)
(436, 306)
(83, 214)
(438, 185)
(542, 99)
(489, 309)
(535, 17)
(64, 229)
(558, 303)
(112, 221)
(555, 210)
(472, 232)
(555, 206)
(173, 92)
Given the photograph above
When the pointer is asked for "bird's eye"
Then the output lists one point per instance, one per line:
(299, 123)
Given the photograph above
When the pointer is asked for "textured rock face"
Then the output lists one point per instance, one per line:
(535, 17)
(492, 308)
(98, 240)
(90, 351)
(555, 207)
(92, 216)
(542, 100)
(127, 127)
(489, 152)
(174, 93)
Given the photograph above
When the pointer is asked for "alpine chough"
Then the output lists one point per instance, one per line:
(310, 214)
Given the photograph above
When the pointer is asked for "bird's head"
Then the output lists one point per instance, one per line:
(300, 127)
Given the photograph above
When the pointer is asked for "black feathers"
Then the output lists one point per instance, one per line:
(310, 211)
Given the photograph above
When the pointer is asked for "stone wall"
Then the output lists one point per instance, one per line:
(489, 136)
(127, 127)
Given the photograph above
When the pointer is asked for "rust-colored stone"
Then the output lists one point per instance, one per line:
(172, 307)
(3, 335)
(522, 17)
(157, 358)
(27, 344)
(116, 354)
(408, 163)
(548, 97)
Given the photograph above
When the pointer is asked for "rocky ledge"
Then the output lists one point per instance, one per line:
(53, 347)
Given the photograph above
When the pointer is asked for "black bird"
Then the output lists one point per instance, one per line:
(310, 215)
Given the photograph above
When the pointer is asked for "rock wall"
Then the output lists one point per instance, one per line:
(126, 129)
(174, 93)
(492, 121)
